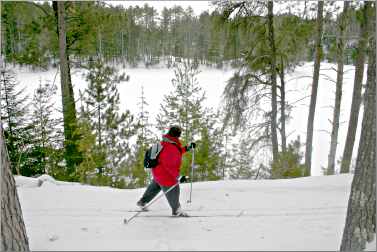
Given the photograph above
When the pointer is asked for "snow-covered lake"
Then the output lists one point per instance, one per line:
(157, 83)
(294, 214)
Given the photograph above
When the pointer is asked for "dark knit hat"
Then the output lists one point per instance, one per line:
(175, 131)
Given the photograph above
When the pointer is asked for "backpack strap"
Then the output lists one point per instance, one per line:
(155, 150)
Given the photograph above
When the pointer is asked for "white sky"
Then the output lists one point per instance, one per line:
(200, 6)
(197, 6)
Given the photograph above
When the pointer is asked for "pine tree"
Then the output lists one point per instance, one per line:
(14, 114)
(184, 107)
(111, 128)
(288, 164)
(340, 45)
(138, 175)
(71, 155)
(47, 139)
(360, 224)
(313, 98)
(13, 231)
(241, 162)
(209, 153)
(365, 28)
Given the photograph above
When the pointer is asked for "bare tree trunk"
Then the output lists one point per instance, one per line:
(72, 156)
(271, 39)
(13, 231)
(313, 98)
(282, 107)
(338, 93)
(356, 97)
(361, 213)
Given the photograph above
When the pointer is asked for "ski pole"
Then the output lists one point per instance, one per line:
(150, 203)
(192, 173)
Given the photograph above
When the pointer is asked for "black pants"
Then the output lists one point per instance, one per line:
(172, 196)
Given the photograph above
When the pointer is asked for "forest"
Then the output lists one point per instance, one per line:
(95, 142)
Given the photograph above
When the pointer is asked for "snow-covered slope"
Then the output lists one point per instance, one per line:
(296, 214)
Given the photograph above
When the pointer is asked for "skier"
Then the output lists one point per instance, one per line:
(166, 173)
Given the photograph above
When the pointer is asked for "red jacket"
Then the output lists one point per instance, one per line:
(169, 161)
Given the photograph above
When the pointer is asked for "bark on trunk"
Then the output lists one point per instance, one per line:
(356, 97)
(361, 219)
(271, 39)
(338, 93)
(282, 107)
(13, 231)
(313, 98)
(72, 155)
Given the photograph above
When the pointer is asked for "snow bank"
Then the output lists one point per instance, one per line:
(27, 182)
(41, 181)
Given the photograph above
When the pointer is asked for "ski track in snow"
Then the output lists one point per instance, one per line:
(295, 214)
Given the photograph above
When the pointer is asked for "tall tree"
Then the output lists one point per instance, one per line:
(342, 25)
(313, 98)
(357, 87)
(138, 174)
(184, 107)
(72, 155)
(271, 40)
(111, 128)
(360, 226)
(13, 231)
(14, 114)
(46, 135)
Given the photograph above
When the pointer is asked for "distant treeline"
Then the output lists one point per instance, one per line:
(136, 35)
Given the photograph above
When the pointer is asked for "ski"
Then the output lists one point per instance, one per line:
(190, 216)
(136, 211)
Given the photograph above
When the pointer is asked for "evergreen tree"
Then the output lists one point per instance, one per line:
(360, 224)
(139, 176)
(13, 231)
(365, 29)
(184, 107)
(112, 129)
(47, 140)
(17, 127)
(241, 162)
(313, 97)
(71, 155)
(288, 164)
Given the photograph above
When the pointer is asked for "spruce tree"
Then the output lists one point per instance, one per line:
(139, 176)
(17, 127)
(184, 107)
(111, 128)
(47, 140)
(241, 162)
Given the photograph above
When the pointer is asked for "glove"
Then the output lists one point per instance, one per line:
(182, 179)
(190, 146)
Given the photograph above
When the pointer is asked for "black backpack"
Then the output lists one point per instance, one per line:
(151, 156)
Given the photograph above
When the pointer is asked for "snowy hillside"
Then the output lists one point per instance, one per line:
(296, 214)
(157, 83)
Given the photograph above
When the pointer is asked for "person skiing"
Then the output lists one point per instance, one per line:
(167, 172)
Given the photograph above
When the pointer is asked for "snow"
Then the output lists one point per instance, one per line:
(294, 214)
(371, 246)
(43, 180)
(157, 83)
